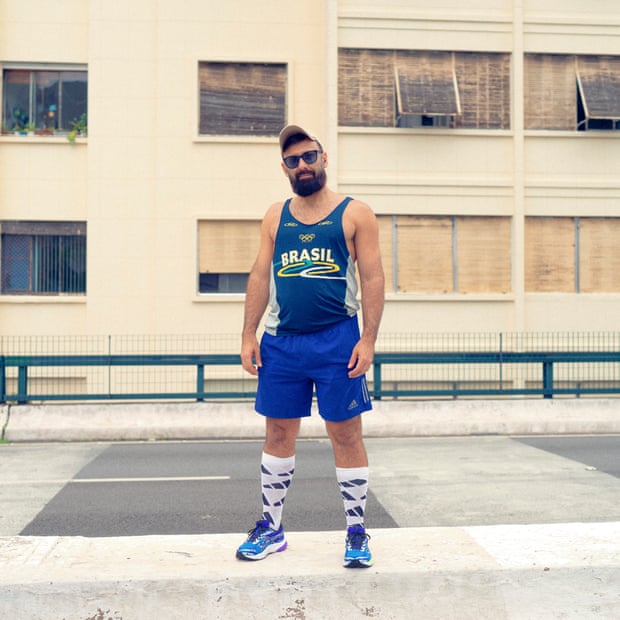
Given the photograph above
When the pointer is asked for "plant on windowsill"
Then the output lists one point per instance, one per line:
(78, 128)
(27, 129)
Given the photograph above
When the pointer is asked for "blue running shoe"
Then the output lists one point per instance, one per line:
(262, 540)
(357, 554)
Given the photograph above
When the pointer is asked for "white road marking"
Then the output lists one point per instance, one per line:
(99, 480)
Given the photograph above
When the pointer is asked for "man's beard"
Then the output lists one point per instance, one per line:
(308, 185)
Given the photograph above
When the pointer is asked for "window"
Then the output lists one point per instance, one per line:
(227, 250)
(426, 90)
(43, 258)
(446, 254)
(242, 98)
(37, 99)
(572, 254)
(397, 88)
(567, 92)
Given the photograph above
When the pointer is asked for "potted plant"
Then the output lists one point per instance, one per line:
(78, 128)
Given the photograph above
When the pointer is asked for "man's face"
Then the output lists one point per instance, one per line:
(306, 179)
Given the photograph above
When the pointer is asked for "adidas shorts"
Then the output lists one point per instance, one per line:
(294, 366)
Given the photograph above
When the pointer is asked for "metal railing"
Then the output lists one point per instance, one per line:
(38, 377)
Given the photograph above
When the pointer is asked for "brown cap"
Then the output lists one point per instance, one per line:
(293, 130)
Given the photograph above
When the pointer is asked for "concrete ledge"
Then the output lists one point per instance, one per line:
(145, 421)
(4, 418)
(534, 571)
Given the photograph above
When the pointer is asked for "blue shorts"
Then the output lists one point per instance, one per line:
(293, 366)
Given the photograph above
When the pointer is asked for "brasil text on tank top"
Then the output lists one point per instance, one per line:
(313, 282)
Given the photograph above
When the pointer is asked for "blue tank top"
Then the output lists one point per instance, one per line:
(313, 282)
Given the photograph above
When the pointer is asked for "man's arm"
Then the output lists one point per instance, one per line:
(372, 284)
(257, 294)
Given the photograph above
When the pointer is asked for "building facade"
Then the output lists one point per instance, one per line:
(139, 153)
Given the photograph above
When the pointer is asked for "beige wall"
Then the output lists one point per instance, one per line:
(143, 178)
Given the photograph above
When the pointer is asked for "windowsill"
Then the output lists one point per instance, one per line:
(441, 131)
(461, 131)
(59, 139)
(218, 298)
(236, 139)
(42, 299)
(563, 133)
(450, 297)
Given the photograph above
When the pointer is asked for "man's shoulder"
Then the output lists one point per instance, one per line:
(275, 209)
(358, 209)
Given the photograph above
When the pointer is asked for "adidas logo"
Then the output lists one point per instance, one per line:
(352, 404)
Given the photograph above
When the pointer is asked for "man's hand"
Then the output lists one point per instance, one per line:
(250, 354)
(361, 358)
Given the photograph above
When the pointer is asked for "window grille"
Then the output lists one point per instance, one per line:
(41, 258)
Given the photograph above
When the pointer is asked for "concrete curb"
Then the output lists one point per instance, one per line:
(499, 572)
(153, 421)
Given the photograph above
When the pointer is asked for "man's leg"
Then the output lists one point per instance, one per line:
(277, 469)
(277, 466)
(351, 466)
(352, 475)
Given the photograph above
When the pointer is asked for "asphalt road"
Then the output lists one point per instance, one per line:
(128, 489)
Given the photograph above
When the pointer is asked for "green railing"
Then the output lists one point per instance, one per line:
(26, 378)
(505, 385)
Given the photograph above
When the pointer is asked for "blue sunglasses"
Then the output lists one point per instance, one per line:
(292, 161)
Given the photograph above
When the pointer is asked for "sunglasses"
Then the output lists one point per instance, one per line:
(292, 161)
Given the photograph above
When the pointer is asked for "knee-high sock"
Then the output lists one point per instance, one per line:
(353, 483)
(276, 477)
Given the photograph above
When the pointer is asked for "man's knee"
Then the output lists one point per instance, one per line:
(348, 432)
(280, 436)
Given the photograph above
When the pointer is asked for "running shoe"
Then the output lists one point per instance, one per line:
(262, 540)
(357, 554)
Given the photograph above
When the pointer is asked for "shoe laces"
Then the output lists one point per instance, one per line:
(357, 539)
(259, 531)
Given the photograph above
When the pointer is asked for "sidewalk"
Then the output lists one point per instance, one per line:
(483, 572)
(568, 571)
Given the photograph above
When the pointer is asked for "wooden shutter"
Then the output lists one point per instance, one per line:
(599, 255)
(242, 98)
(227, 246)
(484, 90)
(424, 254)
(599, 86)
(549, 254)
(550, 92)
(483, 254)
(366, 94)
(387, 248)
(426, 84)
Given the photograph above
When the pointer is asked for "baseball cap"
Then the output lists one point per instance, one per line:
(294, 130)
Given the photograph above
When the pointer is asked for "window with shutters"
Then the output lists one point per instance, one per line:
(43, 258)
(568, 92)
(240, 98)
(227, 250)
(572, 254)
(446, 254)
(399, 88)
(420, 254)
